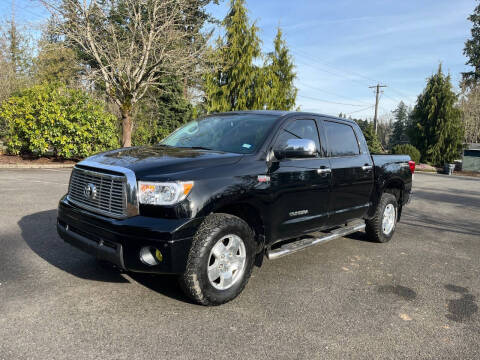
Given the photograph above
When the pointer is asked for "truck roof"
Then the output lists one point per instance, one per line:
(282, 113)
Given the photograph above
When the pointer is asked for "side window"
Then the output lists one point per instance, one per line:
(298, 129)
(341, 139)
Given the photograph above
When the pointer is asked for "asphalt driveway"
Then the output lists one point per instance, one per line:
(416, 297)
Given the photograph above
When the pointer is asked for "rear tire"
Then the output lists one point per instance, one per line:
(381, 227)
(220, 260)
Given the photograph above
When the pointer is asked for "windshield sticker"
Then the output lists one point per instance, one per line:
(247, 146)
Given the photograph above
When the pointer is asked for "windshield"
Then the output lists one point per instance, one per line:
(238, 133)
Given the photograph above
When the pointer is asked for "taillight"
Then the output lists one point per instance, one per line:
(411, 163)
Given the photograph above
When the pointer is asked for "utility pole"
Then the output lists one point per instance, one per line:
(377, 98)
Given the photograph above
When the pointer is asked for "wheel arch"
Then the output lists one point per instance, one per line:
(392, 185)
(396, 187)
(250, 214)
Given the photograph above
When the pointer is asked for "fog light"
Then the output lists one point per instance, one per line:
(150, 256)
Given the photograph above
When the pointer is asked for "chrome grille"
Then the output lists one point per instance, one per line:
(110, 195)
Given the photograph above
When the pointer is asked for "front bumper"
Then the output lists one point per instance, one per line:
(119, 241)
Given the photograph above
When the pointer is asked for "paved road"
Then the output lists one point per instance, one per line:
(416, 297)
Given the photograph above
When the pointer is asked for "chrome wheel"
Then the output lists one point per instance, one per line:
(226, 263)
(388, 221)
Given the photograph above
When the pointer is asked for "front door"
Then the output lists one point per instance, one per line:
(300, 187)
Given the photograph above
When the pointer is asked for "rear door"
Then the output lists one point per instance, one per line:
(352, 171)
(299, 187)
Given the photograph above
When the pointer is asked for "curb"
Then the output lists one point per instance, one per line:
(448, 176)
(427, 172)
(36, 166)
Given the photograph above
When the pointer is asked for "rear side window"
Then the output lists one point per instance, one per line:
(341, 139)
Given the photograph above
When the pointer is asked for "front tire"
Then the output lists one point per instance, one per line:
(220, 260)
(381, 227)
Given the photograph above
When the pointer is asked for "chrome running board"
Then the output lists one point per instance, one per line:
(295, 246)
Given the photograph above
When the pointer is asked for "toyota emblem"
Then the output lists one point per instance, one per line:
(90, 191)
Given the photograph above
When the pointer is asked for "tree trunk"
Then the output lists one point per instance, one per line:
(126, 128)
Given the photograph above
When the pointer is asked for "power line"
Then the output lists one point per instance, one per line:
(340, 72)
(328, 92)
(392, 98)
(316, 60)
(336, 74)
(327, 101)
(357, 111)
(399, 92)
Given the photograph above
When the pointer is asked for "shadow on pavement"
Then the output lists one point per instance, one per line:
(360, 236)
(455, 197)
(164, 284)
(39, 232)
(443, 224)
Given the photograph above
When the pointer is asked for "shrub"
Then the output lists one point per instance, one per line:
(407, 149)
(68, 122)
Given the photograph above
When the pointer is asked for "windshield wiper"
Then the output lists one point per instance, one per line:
(196, 147)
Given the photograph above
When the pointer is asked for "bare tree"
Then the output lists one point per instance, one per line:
(7, 74)
(133, 45)
(470, 106)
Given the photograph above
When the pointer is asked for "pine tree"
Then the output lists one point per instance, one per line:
(18, 50)
(161, 112)
(374, 144)
(15, 59)
(436, 129)
(280, 91)
(384, 131)
(235, 82)
(472, 50)
(399, 134)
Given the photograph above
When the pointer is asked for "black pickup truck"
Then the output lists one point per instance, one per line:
(223, 192)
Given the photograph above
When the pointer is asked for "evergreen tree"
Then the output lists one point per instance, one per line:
(161, 112)
(235, 82)
(384, 131)
(18, 50)
(56, 60)
(399, 134)
(15, 60)
(280, 91)
(472, 50)
(436, 129)
(374, 144)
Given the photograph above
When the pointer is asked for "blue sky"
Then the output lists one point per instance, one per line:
(341, 47)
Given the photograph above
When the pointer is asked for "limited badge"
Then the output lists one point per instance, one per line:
(263, 178)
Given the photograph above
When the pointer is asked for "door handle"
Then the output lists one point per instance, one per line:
(324, 171)
(367, 167)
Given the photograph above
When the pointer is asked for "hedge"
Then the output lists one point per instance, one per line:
(69, 122)
(407, 149)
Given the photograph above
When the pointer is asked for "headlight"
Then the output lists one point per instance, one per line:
(169, 193)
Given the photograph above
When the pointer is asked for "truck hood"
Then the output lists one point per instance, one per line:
(160, 162)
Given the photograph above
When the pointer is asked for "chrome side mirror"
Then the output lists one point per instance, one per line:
(297, 148)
